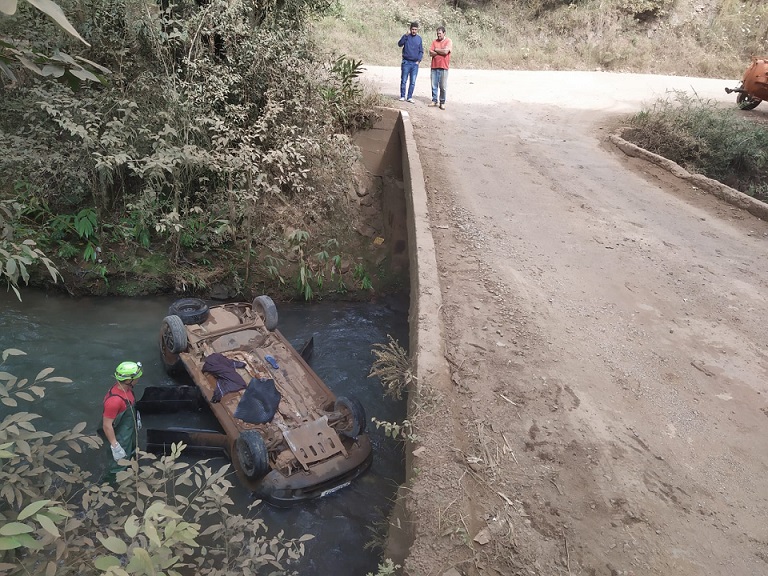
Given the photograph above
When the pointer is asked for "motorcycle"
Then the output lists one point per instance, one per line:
(754, 86)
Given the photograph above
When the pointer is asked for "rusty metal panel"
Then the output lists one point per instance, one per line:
(314, 442)
(756, 79)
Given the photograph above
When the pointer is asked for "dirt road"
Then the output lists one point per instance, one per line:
(605, 329)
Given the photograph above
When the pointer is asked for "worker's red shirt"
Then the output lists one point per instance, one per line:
(116, 401)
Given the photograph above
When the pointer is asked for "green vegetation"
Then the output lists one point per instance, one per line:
(16, 257)
(706, 139)
(650, 36)
(221, 126)
(60, 66)
(392, 367)
(397, 431)
(165, 517)
(386, 568)
(311, 271)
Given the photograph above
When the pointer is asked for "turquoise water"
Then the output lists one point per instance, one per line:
(85, 339)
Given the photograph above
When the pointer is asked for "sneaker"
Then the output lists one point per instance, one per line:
(442, 106)
(433, 105)
(410, 100)
(402, 99)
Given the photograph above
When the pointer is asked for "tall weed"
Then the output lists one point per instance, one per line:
(706, 139)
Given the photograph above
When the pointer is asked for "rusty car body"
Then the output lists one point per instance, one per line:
(314, 444)
(754, 85)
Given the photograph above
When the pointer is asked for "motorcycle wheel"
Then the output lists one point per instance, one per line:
(747, 102)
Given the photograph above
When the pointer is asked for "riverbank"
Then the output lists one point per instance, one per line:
(351, 256)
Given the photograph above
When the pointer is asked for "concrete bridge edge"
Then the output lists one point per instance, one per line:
(427, 352)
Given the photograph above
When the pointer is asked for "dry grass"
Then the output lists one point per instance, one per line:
(392, 367)
(706, 139)
(697, 38)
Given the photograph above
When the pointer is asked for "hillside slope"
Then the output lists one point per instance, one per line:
(709, 38)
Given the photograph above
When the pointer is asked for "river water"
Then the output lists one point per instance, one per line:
(85, 339)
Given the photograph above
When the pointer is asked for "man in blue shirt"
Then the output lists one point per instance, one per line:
(413, 52)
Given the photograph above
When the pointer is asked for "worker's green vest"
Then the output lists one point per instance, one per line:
(125, 434)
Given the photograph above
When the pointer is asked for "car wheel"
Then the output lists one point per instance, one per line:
(190, 310)
(267, 310)
(352, 422)
(252, 454)
(747, 102)
(173, 339)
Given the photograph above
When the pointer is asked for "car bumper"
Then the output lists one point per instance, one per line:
(322, 479)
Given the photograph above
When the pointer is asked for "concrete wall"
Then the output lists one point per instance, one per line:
(381, 149)
(380, 145)
(407, 214)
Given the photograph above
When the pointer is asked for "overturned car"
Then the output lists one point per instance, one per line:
(288, 436)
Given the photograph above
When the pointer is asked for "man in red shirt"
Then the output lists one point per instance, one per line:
(120, 420)
(440, 51)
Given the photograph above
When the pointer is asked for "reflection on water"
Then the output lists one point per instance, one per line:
(85, 339)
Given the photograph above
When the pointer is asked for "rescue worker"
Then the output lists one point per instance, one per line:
(120, 420)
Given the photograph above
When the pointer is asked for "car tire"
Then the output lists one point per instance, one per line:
(353, 412)
(747, 102)
(252, 454)
(173, 339)
(190, 310)
(265, 307)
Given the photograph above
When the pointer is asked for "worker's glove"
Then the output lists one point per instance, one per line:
(138, 420)
(118, 453)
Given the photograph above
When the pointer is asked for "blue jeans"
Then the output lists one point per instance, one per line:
(408, 72)
(439, 80)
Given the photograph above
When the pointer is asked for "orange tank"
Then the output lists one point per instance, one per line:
(754, 85)
(756, 79)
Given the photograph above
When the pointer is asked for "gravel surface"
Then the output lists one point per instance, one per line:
(604, 326)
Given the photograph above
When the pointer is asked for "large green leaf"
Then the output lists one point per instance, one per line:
(102, 69)
(33, 508)
(113, 544)
(31, 65)
(15, 528)
(106, 562)
(131, 526)
(53, 70)
(13, 542)
(140, 562)
(9, 543)
(54, 11)
(10, 265)
(47, 524)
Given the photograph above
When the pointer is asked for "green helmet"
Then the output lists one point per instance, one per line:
(128, 371)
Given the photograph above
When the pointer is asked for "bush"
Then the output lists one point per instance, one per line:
(166, 517)
(211, 123)
(705, 138)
